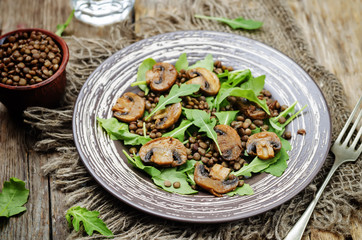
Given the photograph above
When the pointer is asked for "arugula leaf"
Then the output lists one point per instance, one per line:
(274, 121)
(226, 117)
(243, 190)
(12, 198)
(249, 88)
(257, 165)
(236, 23)
(188, 168)
(285, 144)
(172, 175)
(90, 221)
(146, 65)
(221, 94)
(245, 93)
(255, 84)
(137, 162)
(236, 77)
(119, 131)
(179, 132)
(173, 96)
(207, 63)
(206, 124)
(62, 27)
(210, 101)
(290, 110)
(182, 62)
(280, 165)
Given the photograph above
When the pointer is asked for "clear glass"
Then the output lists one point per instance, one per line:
(102, 12)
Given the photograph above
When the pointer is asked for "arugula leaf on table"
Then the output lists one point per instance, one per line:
(257, 165)
(207, 63)
(243, 190)
(226, 117)
(172, 175)
(62, 27)
(236, 23)
(137, 162)
(179, 132)
(12, 198)
(146, 65)
(173, 96)
(182, 62)
(202, 120)
(90, 221)
(119, 131)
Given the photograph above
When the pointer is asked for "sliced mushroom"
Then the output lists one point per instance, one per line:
(251, 109)
(219, 172)
(129, 107)
(208, 80)
(229, 142)
(165, 118)
(263, 144)
(213, 185)
(164, 152)
(161, 77)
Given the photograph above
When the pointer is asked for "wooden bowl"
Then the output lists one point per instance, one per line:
(47, 93)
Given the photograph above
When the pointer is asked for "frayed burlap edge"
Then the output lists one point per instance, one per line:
(334, 209)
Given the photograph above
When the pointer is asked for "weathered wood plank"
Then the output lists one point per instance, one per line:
(60, 229)
(17, 161)
(48, 16)
(334, 37)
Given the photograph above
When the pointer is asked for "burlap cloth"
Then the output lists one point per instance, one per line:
(342, 197)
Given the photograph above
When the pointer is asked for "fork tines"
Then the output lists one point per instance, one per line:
(351, 131)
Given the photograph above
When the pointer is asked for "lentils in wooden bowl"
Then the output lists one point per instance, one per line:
(32, 68)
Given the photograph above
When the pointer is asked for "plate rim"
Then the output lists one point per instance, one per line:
(100, 181)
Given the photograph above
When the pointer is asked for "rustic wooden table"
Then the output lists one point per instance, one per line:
(334, 37)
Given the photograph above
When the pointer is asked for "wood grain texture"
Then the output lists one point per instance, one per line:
(331, 27)
(334, 34)
(60, 227)
(17, 161)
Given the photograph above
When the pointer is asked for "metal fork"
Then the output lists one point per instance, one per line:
(344, 152)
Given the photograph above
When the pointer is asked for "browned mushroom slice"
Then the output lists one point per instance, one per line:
(229, 142)
(219, 172)
(263, 144)
(164, 151)
(214, 185)
(208, 80)
(165, 118)
(250, 109)
(161, 77)
(129, 107)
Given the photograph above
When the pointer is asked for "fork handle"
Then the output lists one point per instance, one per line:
(297, 231)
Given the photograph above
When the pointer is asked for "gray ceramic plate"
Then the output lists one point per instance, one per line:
(284, 79)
